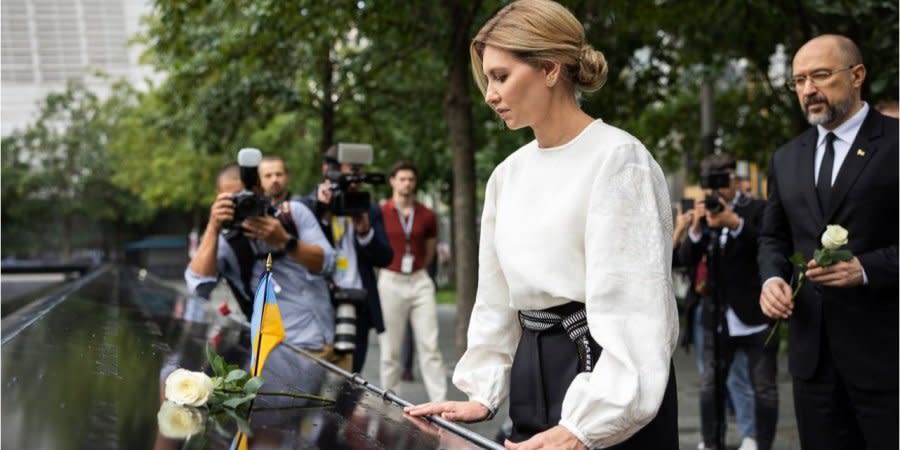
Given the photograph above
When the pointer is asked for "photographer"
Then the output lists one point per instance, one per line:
(235, 247)
(274, 179)
(724, 231)
(360, 244)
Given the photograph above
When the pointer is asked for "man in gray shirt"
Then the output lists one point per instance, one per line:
(301, 260)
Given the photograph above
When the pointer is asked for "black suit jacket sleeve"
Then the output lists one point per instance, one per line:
(880, 266)
(378, 251)
(689, 253)
(775, 243)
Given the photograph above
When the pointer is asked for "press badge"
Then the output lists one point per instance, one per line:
(342, 263)
(406, 264)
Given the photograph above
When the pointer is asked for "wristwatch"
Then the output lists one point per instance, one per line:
(291, 245)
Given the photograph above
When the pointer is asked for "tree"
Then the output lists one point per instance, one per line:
(56, 176)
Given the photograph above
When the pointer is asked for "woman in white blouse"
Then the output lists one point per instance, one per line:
(574, 318)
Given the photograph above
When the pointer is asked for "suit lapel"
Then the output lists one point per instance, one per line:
(806, 173)
(861, 152)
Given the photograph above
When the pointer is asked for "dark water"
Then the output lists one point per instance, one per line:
(89, 374)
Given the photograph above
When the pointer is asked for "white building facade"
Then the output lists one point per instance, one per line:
(46, 43)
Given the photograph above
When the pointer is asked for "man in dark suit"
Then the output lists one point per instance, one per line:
(361, 245)
(843, 323)
(725, 229)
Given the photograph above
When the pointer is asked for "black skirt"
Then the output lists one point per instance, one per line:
(545, 364)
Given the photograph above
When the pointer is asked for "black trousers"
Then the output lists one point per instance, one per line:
(832, 414)
(762, 362)
(545, 364)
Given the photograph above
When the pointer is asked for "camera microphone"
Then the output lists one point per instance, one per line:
(249, 159)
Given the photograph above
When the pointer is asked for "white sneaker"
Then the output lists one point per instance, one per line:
(748, 444)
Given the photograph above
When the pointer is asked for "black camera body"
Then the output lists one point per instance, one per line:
(346, 200)
(714, 181)
(248, 203)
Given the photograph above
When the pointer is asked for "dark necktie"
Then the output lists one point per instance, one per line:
(823, 186)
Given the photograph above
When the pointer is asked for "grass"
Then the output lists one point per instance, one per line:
(446, 296)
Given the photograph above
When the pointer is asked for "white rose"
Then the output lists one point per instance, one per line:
(835, 237)
(188, 388)
(178, 422)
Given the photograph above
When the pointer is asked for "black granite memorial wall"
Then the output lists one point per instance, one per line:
(85, 370)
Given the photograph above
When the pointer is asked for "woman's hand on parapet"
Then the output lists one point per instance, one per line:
(558, 437)
(456, 411)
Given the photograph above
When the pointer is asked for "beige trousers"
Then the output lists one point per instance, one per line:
(342, 360)
(410, 296)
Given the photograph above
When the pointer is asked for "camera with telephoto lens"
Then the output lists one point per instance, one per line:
(248, 203)
(714, 181)
(346, 302)
(346, 200)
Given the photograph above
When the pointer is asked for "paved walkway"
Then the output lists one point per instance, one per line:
(688, 390)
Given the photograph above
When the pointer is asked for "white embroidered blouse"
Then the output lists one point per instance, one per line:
(588, 221)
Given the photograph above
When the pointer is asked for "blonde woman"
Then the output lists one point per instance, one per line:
(575, 317)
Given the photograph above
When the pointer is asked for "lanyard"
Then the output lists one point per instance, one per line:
(338, 231)
(407, 224)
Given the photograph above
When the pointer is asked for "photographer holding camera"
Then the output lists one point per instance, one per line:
(354, 227)
(724, 229)
(241, 231)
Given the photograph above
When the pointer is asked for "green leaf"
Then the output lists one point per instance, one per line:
(253, 384)
(217, 398)
(234, 402)
(823, 258)
(236, 375)
(216, 361)
(242, 423)
(841, 255)
(799, 261)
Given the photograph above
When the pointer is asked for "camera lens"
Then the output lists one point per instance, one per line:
(345, 328)
(711, 202)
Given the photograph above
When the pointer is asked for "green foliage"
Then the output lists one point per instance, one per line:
(292, 78)
(659, 52)
(233, 387)
(56, 177)
(825, 257)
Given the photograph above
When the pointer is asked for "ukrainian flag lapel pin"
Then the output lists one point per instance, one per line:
(860, 152)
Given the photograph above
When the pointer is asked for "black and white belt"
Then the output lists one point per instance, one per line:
(575, 325)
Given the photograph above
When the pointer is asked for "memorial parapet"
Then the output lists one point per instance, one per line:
(87, 369)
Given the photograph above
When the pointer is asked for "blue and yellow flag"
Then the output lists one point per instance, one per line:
(266, 327)
(266, 330)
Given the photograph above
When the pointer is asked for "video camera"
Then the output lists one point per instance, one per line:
(714, 181)
(248, 203)
(344, 200)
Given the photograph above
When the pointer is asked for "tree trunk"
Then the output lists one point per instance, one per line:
(326, 73)
(458, 111)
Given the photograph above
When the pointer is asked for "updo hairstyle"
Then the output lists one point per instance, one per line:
(541, 32)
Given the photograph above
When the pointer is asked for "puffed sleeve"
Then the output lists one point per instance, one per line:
(629, 301)
(483, 371)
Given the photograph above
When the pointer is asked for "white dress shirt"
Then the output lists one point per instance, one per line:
(846, 134)
(588, 221)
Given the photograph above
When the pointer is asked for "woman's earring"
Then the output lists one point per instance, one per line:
(550, 81)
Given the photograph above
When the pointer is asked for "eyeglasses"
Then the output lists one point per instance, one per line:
(816, 78)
